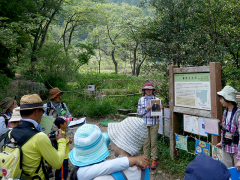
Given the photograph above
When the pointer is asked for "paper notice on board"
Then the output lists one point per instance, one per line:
(160, 129)
(181, 142)
(166, 112)
(201, 126)
(211, 126)
(187, 123)
(194, 124)
(191, 124)
(166, 122)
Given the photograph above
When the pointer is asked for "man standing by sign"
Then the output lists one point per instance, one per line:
(230, 125)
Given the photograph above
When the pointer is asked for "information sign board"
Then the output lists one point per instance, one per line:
(192, 90)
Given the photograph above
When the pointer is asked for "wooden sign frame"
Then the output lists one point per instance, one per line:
(216, 109)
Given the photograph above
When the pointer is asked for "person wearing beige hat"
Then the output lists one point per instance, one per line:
(56, 108)
(7, 105)
(15, 118)
(38, 147)
(230, 127)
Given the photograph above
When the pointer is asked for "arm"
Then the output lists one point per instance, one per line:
(106, 167)
(2, 124)
(142, 110)
(49, 153)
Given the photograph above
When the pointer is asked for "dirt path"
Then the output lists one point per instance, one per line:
(157, 174)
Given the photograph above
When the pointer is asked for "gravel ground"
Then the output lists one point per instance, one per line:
(157, 174)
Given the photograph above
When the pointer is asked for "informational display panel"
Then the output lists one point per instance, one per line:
(192, 90)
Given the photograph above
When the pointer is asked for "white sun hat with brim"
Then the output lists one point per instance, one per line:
(91, 146)
(129, 135)
(15, 115)
(229, 93)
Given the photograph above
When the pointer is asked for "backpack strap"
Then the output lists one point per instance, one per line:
(63, 105)
(49, 107)
(145, 174)
(119, 175)
(6, 119)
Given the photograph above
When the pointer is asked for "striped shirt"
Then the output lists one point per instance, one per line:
(142, 111)
(233, 148)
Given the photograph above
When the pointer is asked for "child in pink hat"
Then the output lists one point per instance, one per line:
(144, 110)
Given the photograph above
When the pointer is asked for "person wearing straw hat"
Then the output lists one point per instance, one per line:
(144, 110)
(38, 148)
(90, 151)
(230, 127)
(57, 108)
(7, 105)
(127, 139)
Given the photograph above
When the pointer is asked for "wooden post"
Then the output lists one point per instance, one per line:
(173, 116)
(216, 107)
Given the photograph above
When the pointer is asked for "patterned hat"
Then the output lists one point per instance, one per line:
(91, 146)
(148, 86)
(129, 135)
(228, 93)
(6, 103)
(31, 101)
(54, 92)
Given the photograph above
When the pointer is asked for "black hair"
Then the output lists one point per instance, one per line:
(232, 102)
(59, 121)
(28, 112)
(73, 175)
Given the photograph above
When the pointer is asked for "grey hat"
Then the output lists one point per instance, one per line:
(129, 135)
(229, 93)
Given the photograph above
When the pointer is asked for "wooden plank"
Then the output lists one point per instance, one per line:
(216, 107)
(173, 115)
(132, 114)
(191, 111)
(197, 69)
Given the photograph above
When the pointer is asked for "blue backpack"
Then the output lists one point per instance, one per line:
(145, 175)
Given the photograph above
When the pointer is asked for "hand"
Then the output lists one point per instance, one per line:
(219, 145)
(237, 165)
(70, 141)
(59, 134)
(74, 119)
(142, 162)
(149, 107)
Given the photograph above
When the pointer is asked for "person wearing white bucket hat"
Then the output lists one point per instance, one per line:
(15, 117)
(230, 125)
(90, 151)
(127, 138)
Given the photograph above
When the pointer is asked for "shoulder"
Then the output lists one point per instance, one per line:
(41, 136)
(2, 118)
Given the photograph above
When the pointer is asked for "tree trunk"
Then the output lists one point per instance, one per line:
(134, 59)
(139, 66)
(114, 61)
